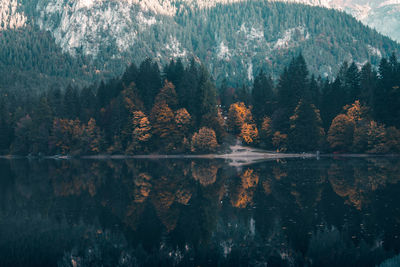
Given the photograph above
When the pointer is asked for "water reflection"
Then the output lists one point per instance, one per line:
(182, 212)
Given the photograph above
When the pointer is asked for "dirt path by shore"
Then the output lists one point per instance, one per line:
(239, 155)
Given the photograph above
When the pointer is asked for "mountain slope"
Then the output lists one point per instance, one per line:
(382, 15)
(233, 38)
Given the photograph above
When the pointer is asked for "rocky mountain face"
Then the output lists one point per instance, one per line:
(382, 15)
(233, 38)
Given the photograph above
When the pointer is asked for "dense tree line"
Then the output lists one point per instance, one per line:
(179, 110)
(141, 112)
(31, 59)
(358, 111)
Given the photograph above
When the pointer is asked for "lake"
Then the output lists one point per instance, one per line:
(292, 212)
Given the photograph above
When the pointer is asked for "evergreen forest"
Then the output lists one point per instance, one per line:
(179, 109)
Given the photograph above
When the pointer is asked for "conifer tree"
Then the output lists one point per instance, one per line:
(71, 105)
(168, 95)
(262, 97)
(306, 130)
(141, 133)
(148, 82)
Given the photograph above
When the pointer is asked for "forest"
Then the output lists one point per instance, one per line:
(179, 109)
(233, 41)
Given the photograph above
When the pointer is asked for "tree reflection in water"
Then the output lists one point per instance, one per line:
(330, 212)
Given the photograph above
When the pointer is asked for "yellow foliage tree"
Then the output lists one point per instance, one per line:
(249, 133)
(238, 114)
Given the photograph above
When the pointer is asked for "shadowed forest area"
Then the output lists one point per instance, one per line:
(181, 110)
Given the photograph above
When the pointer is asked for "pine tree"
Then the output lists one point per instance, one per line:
(206, 96)
(262, 97)
(88, 104)
(148, 82)
(130, 75)
(168, 95)
(42, 119)
(71, 105)
(188, 87)
(306, 130)
(266, 132)
(292, 87)
(368, 83)
(352, 83)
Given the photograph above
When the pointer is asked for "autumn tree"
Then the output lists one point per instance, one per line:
(249, 133)
(266, 132)
(141, 133)
(238, 114)
(74, 137)
(204, 141)
(340, 134)
(168, 95)
(216, 122)
(163, 125)
(92, 138)
(183, 121)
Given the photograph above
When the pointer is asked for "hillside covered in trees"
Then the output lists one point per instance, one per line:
(80, 44)
(180, 110)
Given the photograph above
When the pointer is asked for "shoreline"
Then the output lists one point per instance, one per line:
(267, 155)
(238, 155)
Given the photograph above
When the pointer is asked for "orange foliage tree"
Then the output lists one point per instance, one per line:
(141, 133)
(183, 121)
(249, 133)
(163, 124)
(340, 134)
(204, 141)
(73, 137)
(238, 114)
(167, 95)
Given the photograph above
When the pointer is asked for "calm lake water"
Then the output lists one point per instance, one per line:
(328, 212)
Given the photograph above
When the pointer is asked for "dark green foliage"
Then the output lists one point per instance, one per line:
(111, 116)
(71, 103)
(148, 82)
(30, 58)
(262, 97)
(306, 131)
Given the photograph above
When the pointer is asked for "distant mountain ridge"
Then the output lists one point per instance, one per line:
(233, 38)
